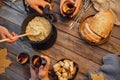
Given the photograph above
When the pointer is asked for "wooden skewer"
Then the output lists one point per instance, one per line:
(3, 40)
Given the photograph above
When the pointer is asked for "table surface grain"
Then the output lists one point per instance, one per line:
(68, 44)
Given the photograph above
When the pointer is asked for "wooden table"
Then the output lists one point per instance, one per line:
(68, 44)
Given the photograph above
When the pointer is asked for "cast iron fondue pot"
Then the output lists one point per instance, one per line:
(43, 44)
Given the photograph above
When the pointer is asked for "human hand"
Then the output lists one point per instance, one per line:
(35, 4)
(43, 70)
(34, 73)
(4, 33)
(77, 5)
(110, 70)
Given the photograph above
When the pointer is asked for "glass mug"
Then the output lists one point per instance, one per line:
(37, 61)
(22, 58)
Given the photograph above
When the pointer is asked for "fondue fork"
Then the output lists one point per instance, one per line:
(76, 20)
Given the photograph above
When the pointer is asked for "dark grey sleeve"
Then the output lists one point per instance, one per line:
(110, 68)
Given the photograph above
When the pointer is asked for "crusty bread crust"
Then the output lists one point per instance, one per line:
(102, 23)
(88, 31)
(88, 35)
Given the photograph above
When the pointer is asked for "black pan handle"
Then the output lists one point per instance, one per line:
(49, 14)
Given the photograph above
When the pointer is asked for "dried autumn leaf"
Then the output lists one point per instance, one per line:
(4, 62)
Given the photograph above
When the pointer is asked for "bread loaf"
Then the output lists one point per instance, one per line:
(87, 33)
(102, 23)
(97, 29)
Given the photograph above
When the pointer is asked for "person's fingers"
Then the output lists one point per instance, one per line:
(41, 67)
(44, 3)
(33, 72)
(38, 10)
(11, 41)
(62, 1)
(47, 59)
(14, 34)
(41, 70)
(14, 37)
(49, 5)
(73, 1)
(3, 36)
(77, 5)
(61, 4)
(8, 35)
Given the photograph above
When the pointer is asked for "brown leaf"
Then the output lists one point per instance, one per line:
(4, 62)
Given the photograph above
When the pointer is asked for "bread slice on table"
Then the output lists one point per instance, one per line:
(91, 34)
(102, 23)
(97, 30)
(87, 34)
